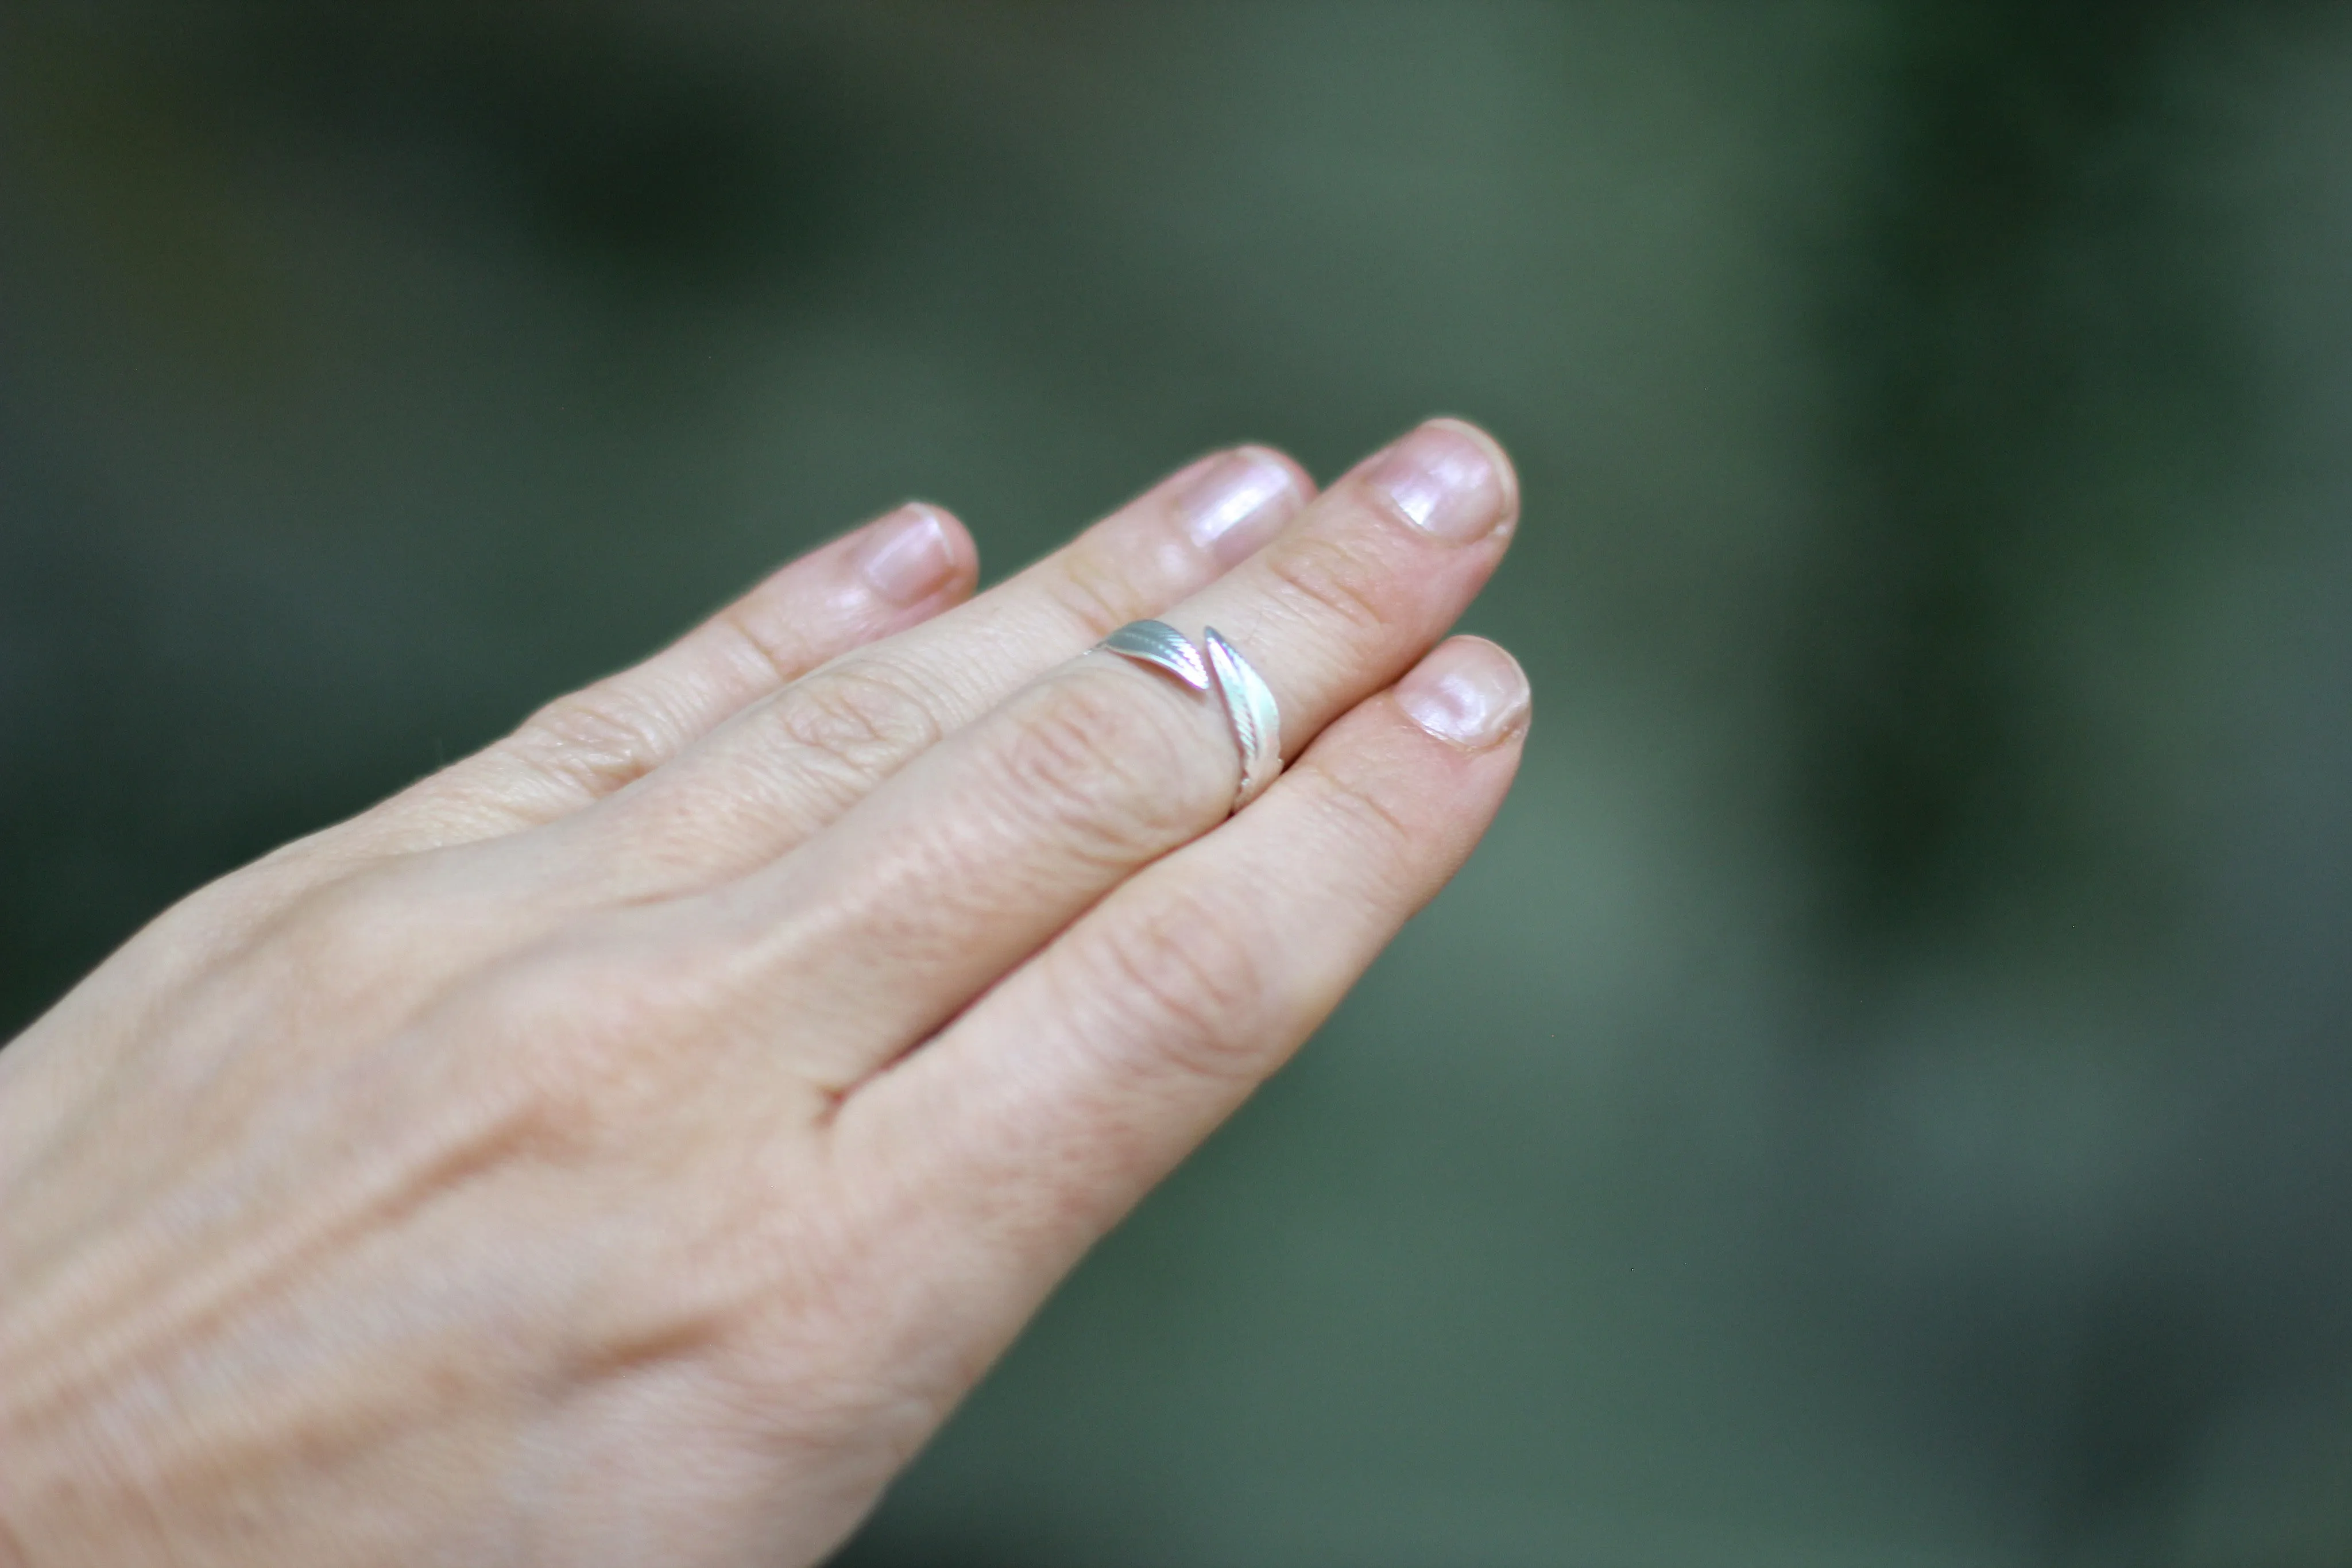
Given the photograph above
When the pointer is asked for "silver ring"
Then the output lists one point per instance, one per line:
(1250, 710)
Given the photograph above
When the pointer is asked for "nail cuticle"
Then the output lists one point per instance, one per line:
(1470, 695)
(1237, 503)
(1442, 481)
(905, 559)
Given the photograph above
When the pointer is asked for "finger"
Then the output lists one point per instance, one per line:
(980, 852)
(786, 767)
(1010, 1142)
(896, 572)
(781, 768)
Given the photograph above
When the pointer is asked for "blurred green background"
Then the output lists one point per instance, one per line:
(1879, 1097)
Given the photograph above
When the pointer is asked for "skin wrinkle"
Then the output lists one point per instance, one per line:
(1180, 976)
(1118, 779)
(1387, 825)
(780, 661)
(1094, 593)
(1332, 578)
(589, 743)
(732, 772)
(492, 1161)
(859, 714)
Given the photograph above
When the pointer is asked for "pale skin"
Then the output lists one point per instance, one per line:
(628, 1145)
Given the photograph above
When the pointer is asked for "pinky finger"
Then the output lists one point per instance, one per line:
(1027, 1128)
(902, 569)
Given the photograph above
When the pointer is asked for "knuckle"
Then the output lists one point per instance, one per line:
(369, 949)
(780, 656)
(573, 1040)
(347, 933)
(1095, 753)
(863, 715)
(320, 937)
(1336, 580)
(1091, 588)
(1379, 827)
(594, 737)
(1184, 983)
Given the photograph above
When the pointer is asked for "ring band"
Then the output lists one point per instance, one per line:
(1250, 709)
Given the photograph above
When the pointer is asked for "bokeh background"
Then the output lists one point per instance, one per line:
(1881, 1094)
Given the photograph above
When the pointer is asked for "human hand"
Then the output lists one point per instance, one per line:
(628, 1145)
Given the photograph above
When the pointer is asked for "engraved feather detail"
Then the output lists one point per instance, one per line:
(1161, 645)
(1249, 703)
(1256, 721)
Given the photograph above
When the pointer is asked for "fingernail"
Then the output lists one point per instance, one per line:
(1468, 692)
(1445, 481)
(1237, 503)
(905, 558)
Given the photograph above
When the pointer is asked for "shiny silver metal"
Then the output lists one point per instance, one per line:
(1250, 709)
(1161, 645)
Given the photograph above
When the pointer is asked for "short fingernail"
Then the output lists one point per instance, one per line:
(1445, 480)
(1238, 502)
(905, 558)
(1468, 692)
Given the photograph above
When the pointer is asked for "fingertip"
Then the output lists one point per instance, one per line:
(1445, 478)
(1232, 502)
(913, 553)
(1506, 473)
(1469, 693)
(1301, 481)
(963, 549)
